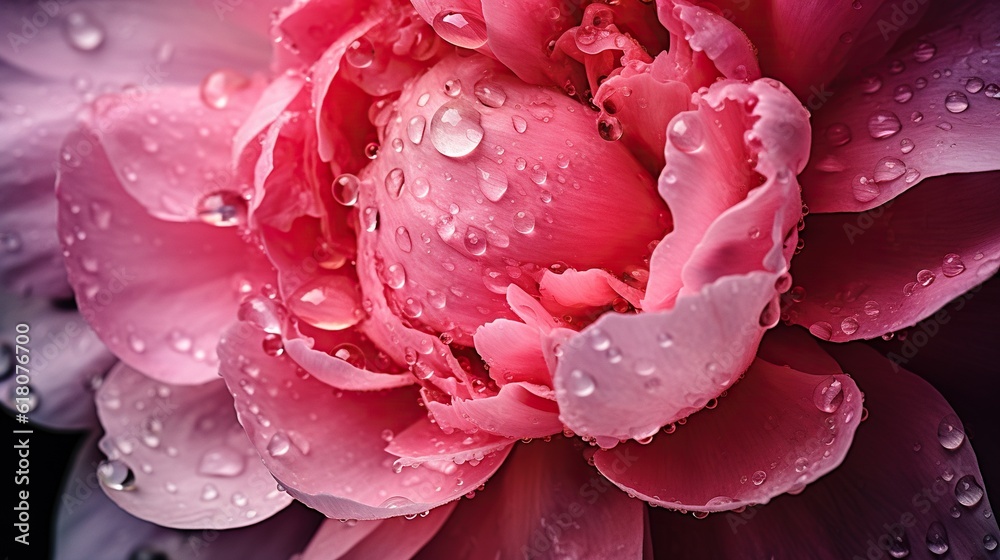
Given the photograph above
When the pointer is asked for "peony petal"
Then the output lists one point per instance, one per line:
(513, 351)
(178, 457)
(385, 539)
(117, 254)
(749, 159)
(625, 376)
(588, 288)
(274, 100)
(338, 467)
(519, 410)
(928, 109)
(893, 273)
(425, 442)
(344, 363)
(89, 525)
(896, 490)
(709, 41)
(64, 360)
(775, 432)
(545, 503)
(806, 44)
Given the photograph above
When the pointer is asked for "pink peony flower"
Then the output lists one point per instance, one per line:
(484, 279)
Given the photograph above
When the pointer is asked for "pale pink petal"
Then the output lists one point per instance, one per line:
(894, 271)
(274, 100)
(805, 44)
(929, 108)
(897, 491)
(519, 410)
(513, 351)
(625, 376)
(325, 445)
(587, 288)
(704, 41)
(191, 465)
(385, 539)
(468, 226)
(425, 442)
(777, 430)
(89, 525)
(545, 503)
(117, 254)
(65, 359)
(731, 187)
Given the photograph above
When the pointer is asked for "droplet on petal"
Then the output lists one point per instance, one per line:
(218, 87)
(956, 102)
(883, 124)
(116, 475)
(360, 53)
(490, 93)
(82, 32)
(222, 209)
(460, 28)
(952, 265)
(346, 188)
(455, 129)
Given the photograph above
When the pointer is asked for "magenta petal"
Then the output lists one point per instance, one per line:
(929, 109)
(189, 460)
(89, 525)
(899, 489)
(625, 376)
(900, 262)
(388, 539)
(117, 254)
(519, 410)
(730, 186)
(326, 446)
(339, 372)
(699, 35)
(775, 432)
(424, 442)
(66, 359)
(546, 486)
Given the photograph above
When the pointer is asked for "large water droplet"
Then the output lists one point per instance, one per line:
(864, 189)
(218, 87)
(490, 93)
(580, 383)
(990, 543)
(952, 265)
(360, 53)
(394, 181)
(609, 128)
(346, 188)
(925, 277)
(968, 492)
(849, 325)
(326, 302)
(883, 124)
(222, 209)
(82, 32)
(116, 475)
(455, 129)
(460, 28)
(902, 93)
(395, 276)
(493, 184)
(686, 133)
(475, 241)
(956, 102)
(758, 478)
(828, 395)
(974, 85)
(279, 444)
(951, 434)
(937, 538)
(888, 169)
(524, 222)
(415, 129)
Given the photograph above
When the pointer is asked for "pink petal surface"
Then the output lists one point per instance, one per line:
(519, 410)
(345, 360)
(730, 180)
(625, 376)
(710, 40)
(64, 356)
(192, 464)
(806, 44)
(326, 446)
(480, 221)
(386, 539)
(424, 441)
(895, 273)
(545, 503)
(586, 288)
(89, 525)
(776, 431)
(117, 254)
(929, 108)
(897, 482)
(513, 351)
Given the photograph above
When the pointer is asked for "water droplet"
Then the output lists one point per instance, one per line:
(838, 134)
(239, 499)
(906, 145)
(82, 32)
(273, 345)
(462, 29)
(455, 129)
(871, 308)
(864, 188)
(209, 492)
(222, 209)
(644, 367)
(360, 53)
(279, 444)
(395, 276)
(218, 87)
(524, 222)
(609, 128)
(871, 83)
(223, 462)
(580, 383)
(520, 125)
(801, 465)
(403, 240)
(903, 93)
(758, 478)
(415, 129)
(937, 538)
(968, 492)
(974, 85)
(493, 184)
(992, 91)
(888, 169)
(369, 219)
(849, 325)
(952, 265)
(394, 181)
(956, 102)
(116, 475)
(490, 93)
(924, 51)
(951, 434)
(475, 241)
(453, 88)
(828, 395)
(925, 277)
(395, 502)
(346, 188)
(686, 133)
(883, 124)
(990, 543)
